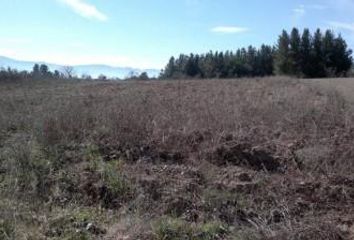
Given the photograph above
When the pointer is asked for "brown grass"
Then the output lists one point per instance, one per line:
(59, 140)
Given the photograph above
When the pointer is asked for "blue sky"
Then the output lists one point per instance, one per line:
(145, 33)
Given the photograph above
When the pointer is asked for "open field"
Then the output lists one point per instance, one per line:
(343, 85)
(238, 159)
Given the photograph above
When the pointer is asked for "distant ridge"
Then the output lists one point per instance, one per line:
(93, 70)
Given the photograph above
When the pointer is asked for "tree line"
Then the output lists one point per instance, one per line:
(42, 71)
(302, 55)
(242, 63)
(39, 71)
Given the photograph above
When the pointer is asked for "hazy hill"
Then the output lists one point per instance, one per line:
(93, 70)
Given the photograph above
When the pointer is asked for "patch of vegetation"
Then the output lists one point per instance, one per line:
(93, 157)
(177, 229)
(115, 187)
(246, 234)
(7, 230)
(215, 198)
(80, 223)
(28, 168)
(116, 183)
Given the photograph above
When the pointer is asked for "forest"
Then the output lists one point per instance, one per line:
(304, 55)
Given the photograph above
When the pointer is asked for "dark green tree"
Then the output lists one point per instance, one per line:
(283, 61)
(305, 53)
(265, 61)
(170, 69)
(144, 76)
(317, 56)
(342, 59)
(56, 74)
(44, 70)
(35, 70)
(295, 53)
(328, 53)
(192, 66)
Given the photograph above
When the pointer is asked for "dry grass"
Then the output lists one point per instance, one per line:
(123, 146)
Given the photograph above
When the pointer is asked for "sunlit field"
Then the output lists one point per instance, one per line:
(267, 158)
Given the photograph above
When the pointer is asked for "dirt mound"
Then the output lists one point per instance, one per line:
(245, 155)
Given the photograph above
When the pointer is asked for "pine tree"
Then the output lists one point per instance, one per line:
(44, 70)
(208, 66)
(265, 60)
(317, 56)
(192, 66)
(294, 53)
(283, 63)
(342, 59)
(252, 61)
(305, 53)
(298, 55)
(169, 69)
(35, 70)
(328, 53)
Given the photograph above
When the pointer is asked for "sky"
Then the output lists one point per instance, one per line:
(146, 33)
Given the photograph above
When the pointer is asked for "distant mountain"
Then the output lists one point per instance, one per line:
(92, 70)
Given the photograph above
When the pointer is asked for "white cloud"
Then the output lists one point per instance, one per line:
(85, 10)
(299, 11)
(342, 25)
(302, 9)
(229, 29)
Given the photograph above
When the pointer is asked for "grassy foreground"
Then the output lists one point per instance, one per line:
(216, 159)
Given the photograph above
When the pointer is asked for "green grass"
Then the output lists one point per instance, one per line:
(7, 230)
(177, 229)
